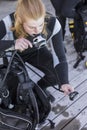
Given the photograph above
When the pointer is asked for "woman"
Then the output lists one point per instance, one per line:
(28, 26)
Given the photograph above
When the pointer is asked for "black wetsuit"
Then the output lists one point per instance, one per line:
(65, 8)
(42, 58)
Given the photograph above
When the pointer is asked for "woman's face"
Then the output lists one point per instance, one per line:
(32, 26)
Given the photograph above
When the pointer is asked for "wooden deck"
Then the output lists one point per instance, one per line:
(66, 114)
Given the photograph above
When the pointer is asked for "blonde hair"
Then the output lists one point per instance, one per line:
(32, 9)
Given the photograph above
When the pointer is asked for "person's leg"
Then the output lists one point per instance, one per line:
(43, 60)
(57, 4)
(68, 8)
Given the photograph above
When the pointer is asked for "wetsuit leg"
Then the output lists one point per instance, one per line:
(43, 60)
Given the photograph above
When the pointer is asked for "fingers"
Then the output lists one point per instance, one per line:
(67, 89)
(21, 44)
(28, 43)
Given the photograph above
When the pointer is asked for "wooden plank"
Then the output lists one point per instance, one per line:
(84, 127)
(78, 122)
(69, 113)
(79, 78)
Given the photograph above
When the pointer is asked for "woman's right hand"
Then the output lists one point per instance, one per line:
(21, 44)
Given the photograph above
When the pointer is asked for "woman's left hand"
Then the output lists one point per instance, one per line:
(67, 89)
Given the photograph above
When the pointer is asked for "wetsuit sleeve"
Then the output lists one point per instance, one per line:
(61, 66)
(4, 44)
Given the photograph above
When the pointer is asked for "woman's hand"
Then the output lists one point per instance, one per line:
(67, 89)
(21, 44)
